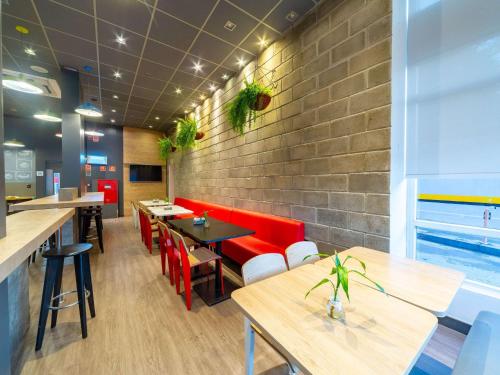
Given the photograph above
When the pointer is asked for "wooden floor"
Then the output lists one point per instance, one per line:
(142, 326)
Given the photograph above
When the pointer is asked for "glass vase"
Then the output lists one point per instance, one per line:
(335, 309)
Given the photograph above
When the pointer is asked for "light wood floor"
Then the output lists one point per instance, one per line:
(143, 327)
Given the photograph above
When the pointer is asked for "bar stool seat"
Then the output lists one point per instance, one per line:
(52, 295)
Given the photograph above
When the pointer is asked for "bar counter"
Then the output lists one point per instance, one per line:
(52, 201)
(26, 231)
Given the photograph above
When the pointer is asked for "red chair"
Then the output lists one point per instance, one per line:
(186, 260)
(166, 250)
(147, 229)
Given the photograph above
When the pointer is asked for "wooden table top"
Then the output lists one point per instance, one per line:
(422, 284)
(52, 201)
(381, 334)
(170, 210)
(218, 231)
(25, 232)
(154, 203)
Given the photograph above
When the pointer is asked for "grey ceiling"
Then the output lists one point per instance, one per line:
(164, 39)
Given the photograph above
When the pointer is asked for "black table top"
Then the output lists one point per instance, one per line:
(218, 230)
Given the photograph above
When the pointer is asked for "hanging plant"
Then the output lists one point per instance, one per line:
(186, 132)
(242, 109)
(166, 147)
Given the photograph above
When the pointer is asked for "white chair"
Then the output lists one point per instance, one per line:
(295, 253)
(259, 268)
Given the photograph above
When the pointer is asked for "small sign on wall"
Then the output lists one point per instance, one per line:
(88, 170)
(112, 168)
(102, 168)
(39, 173)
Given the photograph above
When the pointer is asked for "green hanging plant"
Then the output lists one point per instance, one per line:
(186, 132)
(242, 109)
(166, 147)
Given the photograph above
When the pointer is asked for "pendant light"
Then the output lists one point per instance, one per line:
(94, 133)
(21, 84)
(89, 110)
(47, 116)
(13, 143)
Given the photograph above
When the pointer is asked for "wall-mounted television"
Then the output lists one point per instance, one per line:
(145, 173)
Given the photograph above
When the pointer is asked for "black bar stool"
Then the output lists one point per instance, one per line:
(86, 218)
(52, 295)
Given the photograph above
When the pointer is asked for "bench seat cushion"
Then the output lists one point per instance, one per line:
(244, 248)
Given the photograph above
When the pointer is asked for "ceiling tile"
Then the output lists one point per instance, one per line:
(65, 19)
(20, 8)
(257, 8)
(173, 32)
(262, 33)
(71, 45)
(216, 76)
(34, 38)
(16, 49)
(109, 32)
(151, 69)
(277, 18)
(108, 97)
(226, 12)
(186, 80)
(129, 14)
(232, 61)
(144, 93)
(117, 59)
(116, 87)
(160, 53)
(126, 76)
(81, 5)
(75, 62)
(192, 11)
(149, 83)
(210, 48)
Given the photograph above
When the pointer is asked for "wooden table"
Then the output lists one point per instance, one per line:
(381, 334)
(26, 231)
(168, 211)
(154, 203)
(422, 284)
(218, 231)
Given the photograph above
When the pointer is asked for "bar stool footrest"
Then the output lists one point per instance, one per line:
(62, 307)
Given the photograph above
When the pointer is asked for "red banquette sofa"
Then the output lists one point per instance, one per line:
(273, 234)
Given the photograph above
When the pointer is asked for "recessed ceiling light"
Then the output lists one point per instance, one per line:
(115, 96)
(225, 77)
(241, 62)
(58, 135)
(112, 120)
(212, 87)
(38, 69)
(193, 104)
(291, 16)
(94, 133)
(30, 51)
(13, 143)
(186, 111)
(121, 40)
(150, 126)
(230, 25)
(263, 42)
(22, 29)
(157, 118)
(117, 74)
(197, 66)
(175, 121)
(202, 97)
(47, 117)
(113, 110)
(178, 90)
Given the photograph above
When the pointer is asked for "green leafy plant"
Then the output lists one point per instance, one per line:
(242, 108)
(341, 273)
(166, 146)
(186, 132)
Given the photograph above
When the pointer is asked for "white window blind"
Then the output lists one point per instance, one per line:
(453, 87)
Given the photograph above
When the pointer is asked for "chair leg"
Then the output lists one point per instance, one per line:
(221, 277)
(163, 256)
(249, 347)
(170, 267)
(88, 282)
(187, 288)
(81, 293)
(48, 285)
(177, 274)
(57, 290)
(99, 227)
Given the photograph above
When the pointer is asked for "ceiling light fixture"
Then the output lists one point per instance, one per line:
(115, 96)
(193, 104)
(117, 74)
(263, 42)
(230, 25)
(13, 143)
(89, 110)
(202, 97)
(186, 111)
(38, 69)
(121, 40)
(21, 84)
(175, 121)
(241, 62)
(58, 135)
(178, 90)
(225, 77)
(291, 16)
(46, 116)
(112, 120)
(212, 87)
(94, 133)
(113, 110)
(150, 126)
(197, 66)
(30, 51)
(157, 118)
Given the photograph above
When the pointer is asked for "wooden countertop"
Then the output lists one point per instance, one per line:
(380, 335)
(52, 201)
(25, 232)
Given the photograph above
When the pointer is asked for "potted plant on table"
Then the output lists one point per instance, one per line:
(341, 273)
(187, 132)
(166, 147)
(242, 109)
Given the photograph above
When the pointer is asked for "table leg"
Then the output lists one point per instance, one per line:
(218, 251)
(5, 366)
(249, 347)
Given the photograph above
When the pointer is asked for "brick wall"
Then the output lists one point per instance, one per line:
(320, 152)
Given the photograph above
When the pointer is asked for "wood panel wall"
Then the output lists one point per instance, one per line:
(140, 146)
